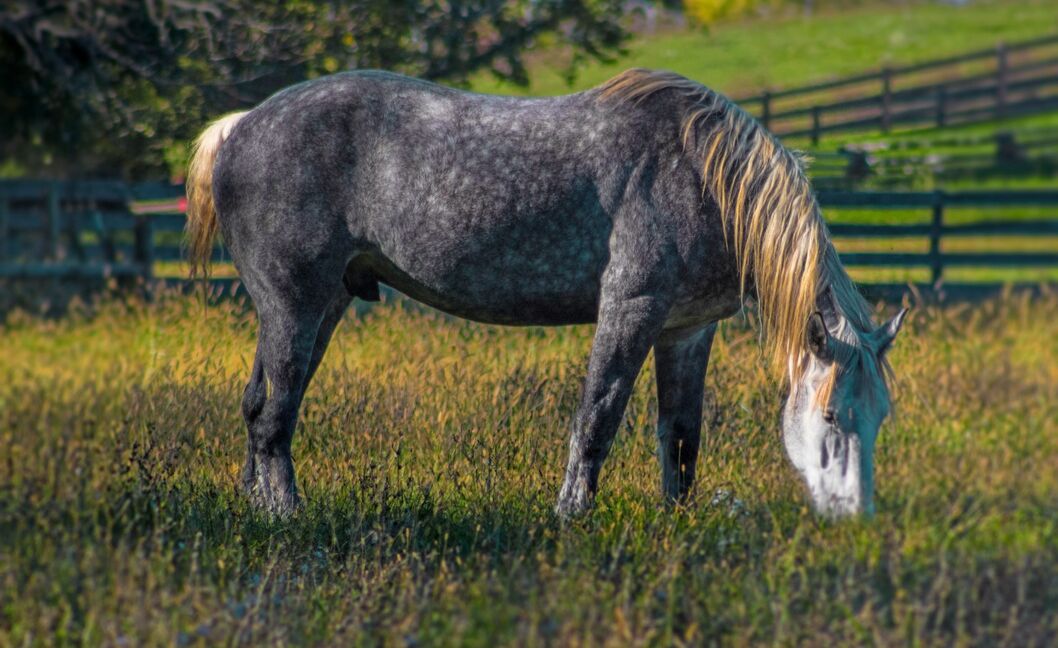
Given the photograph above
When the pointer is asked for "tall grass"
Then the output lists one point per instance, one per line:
(430, 453)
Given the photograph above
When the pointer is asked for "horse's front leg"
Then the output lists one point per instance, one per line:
(628, 326)
(680, 361)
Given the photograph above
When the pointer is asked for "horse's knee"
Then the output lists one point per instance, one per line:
(270, 411)
(273, 429)
(255, 394)
(679, 433)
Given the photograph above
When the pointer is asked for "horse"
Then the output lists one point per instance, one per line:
(649, 205)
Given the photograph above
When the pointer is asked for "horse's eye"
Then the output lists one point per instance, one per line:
(828, 416)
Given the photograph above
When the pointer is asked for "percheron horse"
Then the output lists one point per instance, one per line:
(650, 205)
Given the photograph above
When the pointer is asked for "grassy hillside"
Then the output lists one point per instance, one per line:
(430, 452)
(742, 57)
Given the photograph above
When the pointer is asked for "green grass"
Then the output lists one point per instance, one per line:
(430, 452)
(743, 57)
(1038, 123)
(937, 141)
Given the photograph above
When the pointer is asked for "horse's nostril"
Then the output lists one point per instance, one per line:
(824, 458)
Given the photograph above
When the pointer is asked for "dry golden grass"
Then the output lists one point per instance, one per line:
(430, 451)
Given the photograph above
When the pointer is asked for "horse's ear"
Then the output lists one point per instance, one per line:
(818, 337)
(886, 333)
(828, 308)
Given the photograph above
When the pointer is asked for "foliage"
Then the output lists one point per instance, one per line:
(430, 451)
(96, 87)
(705, 12)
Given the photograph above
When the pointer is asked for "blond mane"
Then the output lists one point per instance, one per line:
(780, 241)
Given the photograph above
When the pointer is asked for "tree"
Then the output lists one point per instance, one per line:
(117, 87)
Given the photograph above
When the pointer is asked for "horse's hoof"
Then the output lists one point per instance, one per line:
(569, 513)
(271, 488)
(278, 505)
(573, 504)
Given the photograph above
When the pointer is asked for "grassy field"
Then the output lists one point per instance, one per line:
(744, 56)
(430, 452)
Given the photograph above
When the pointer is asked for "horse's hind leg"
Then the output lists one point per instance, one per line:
(289, 349)
(331, 318)
(680, 361)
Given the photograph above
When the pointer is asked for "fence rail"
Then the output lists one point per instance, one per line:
(72, 229)
(936, 230)
(1005, 81)
(93, 230)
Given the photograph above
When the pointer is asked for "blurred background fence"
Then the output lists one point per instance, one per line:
(939, 171)
(1004, 81)
(87, 230)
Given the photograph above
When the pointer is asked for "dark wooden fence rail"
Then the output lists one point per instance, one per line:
(936, 229)
(72, 229)
(92, 230)
(1008, 80)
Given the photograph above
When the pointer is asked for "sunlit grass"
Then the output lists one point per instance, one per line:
(182, 269)
(430, 451)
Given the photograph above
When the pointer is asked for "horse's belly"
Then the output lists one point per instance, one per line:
(703, 309)
(517, 280)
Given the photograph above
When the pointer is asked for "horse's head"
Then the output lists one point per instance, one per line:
(834, 410)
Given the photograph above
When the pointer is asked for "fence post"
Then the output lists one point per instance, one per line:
(1002, 74)
(106, 239)
(54, 222)
(73, 229)
(5, 226)
(858, 166)
(143, 250)
(942, 105)
(887, 98)
(1008, 151)
(765, 109)
(816, 125)
(936, 230)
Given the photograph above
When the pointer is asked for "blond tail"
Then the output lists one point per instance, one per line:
(201, 229)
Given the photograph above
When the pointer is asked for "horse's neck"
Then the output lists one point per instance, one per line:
(840, 302)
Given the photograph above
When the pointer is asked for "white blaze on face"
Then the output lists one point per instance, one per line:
(830, 441)
(828, 457)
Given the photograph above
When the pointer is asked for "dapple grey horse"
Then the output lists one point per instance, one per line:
(650, 206)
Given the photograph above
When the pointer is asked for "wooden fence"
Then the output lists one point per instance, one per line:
(92, 230)
(1004, 81)
(76, 230)
(938, 204)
